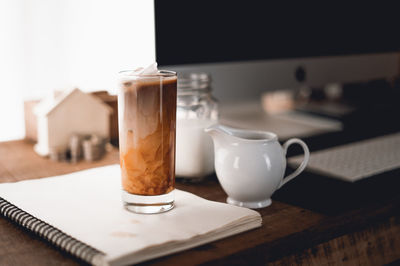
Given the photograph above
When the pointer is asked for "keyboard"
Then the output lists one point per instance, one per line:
(357, 160)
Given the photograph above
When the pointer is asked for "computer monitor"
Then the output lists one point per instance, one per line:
(250, 47)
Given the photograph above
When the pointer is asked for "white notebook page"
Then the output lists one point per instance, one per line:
(87, 205)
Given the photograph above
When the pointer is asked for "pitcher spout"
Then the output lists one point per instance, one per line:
(218, 132)
(237, 135)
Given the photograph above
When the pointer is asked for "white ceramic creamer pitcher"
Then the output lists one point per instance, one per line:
(250, 164)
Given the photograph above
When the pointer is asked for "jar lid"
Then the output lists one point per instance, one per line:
(194, 81)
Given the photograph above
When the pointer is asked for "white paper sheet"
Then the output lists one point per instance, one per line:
(87, 205)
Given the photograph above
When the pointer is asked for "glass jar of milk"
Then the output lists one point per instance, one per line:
(196, 110)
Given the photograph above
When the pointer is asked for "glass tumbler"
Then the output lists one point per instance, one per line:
(147, 121)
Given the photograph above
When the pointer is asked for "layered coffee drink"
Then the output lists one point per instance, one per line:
(147, 117)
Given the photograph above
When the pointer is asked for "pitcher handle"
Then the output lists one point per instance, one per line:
(302, 165)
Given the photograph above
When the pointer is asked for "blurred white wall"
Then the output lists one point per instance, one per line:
(47, 45)
(11, 62)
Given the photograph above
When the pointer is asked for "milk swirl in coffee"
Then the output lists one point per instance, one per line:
(147, 115)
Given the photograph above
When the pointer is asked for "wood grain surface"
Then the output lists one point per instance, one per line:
(377, 245)
(289, 234)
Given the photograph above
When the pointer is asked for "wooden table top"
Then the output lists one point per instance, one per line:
(289, 234)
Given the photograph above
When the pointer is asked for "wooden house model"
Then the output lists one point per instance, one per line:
(68, 113)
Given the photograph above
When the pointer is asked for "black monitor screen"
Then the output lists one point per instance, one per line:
(190, 32)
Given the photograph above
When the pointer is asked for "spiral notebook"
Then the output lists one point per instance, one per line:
(82, 213)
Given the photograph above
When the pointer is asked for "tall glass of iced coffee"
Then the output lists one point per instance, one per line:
(146, 111)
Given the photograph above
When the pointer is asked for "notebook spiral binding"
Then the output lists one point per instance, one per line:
(53, 235)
